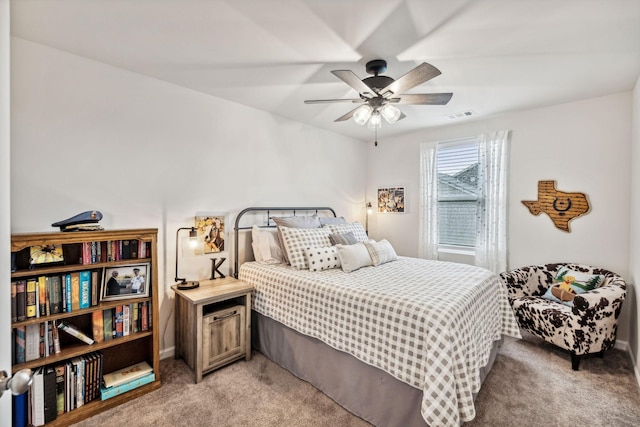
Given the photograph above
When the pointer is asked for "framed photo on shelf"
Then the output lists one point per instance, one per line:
(126, 281)
(391, 199)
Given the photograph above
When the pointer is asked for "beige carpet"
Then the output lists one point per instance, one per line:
(531, 384)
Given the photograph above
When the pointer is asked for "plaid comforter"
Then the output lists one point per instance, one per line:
(430, 324)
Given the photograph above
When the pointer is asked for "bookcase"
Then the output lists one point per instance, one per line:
(100, 253)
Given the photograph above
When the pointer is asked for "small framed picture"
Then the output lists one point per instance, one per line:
(211, 232)
(126, 281)
(391, 199)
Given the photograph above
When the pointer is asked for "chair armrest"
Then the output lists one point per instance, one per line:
(612, 294)
(527, 281)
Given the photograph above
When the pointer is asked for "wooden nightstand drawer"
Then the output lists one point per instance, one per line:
(223, 337)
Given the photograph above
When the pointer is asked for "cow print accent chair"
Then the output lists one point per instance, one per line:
(589, 325)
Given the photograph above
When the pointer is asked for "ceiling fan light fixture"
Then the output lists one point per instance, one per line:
(375, 121)
(362, 114)
(391, 113)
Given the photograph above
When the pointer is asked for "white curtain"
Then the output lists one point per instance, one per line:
(428, 228)
(491, 237)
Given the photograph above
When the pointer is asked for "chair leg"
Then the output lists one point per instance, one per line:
(575, 361)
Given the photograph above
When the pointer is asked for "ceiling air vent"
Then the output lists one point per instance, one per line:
(462, 115)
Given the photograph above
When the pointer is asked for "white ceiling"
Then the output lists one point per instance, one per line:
(494, 55)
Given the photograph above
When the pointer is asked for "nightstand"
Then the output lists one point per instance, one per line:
(213, 324)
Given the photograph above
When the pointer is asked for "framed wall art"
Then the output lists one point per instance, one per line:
(211, 232)
(391, 200)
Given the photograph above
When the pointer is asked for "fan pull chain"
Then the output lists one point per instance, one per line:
(376, 141)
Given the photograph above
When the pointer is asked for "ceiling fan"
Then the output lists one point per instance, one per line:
(379, 95)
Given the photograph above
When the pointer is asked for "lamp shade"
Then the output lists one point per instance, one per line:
(362, 114)
(193, 235)
(391, 113)
(375, 122)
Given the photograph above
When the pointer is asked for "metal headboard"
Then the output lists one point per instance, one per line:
(267, 210)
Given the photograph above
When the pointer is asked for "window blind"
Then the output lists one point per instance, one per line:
(458, 194)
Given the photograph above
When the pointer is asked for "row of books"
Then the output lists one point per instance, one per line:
(31, 342)
(121, 321)
(34, 341)
(114, 250)
(58, 389)
(46, 295)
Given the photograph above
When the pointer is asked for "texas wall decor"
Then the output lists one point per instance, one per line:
(560, 206)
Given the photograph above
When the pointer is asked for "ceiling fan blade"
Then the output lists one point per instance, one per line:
(347, 116)
(413, 78)
(327, 101)
(354, 81)
(422, 99)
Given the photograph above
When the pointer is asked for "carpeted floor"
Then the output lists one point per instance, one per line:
(531, 384)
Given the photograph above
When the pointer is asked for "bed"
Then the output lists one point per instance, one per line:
(406, 342)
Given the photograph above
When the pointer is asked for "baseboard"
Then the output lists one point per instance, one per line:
(624, 346)
(167, 353)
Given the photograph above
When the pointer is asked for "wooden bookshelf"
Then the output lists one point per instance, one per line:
(118, 352)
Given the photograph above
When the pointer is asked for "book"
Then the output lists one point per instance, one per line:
(97, 320)
(126, 319)
(127, 374)
(119, 321)
(107, 393)
(144, 316)
(75, 291)
(19, 346)
(37, 398)
(85, 289)
(50, 344)
(95, 286)
(107, 320)
(67, 292)
(73, 331)
(125, 252)
(14, 302)
(50, 398)
(56, 338)
(78, 363)
(31, 298)
(32, 342)
(42, 295)
(135, 318)
(21, 300)
(60, 385)
(56, 294)
(95, 256)
(133, 250)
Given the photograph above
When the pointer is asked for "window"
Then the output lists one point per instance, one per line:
(458, 193)
(463, 196)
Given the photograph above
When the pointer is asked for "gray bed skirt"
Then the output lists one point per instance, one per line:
(362, 389)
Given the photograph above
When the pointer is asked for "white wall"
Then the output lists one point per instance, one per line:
(634, 262)
(584, 146)
(151, 154)
(5, 276)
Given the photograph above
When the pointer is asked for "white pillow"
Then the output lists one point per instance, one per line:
(322, 258)
(380, 252)
(265, 245)
(296, 240)
(353, 257)
(355, 228)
